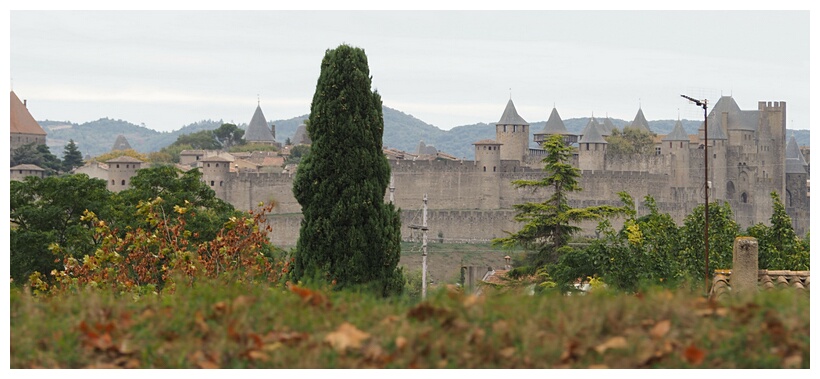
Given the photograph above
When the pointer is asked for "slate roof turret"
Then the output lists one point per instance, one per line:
(716, 130)
(510, 116)
(258, 130)
(677, 133)
(554, 124)
(121, 144)
(795, 163)
(593, 135)
(640, 122)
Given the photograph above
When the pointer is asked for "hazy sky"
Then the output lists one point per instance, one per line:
(167, 69)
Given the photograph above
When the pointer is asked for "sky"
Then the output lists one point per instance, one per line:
(167, 69)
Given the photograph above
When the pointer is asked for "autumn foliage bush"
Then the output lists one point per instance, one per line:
(161, 256)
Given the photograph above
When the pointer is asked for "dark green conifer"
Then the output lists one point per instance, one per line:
(349, 234)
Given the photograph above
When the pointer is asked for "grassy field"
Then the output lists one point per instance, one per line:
(242, 326)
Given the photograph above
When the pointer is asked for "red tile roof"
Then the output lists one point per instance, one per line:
(21, 120)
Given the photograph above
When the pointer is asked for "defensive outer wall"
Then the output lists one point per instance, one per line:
(465, 204)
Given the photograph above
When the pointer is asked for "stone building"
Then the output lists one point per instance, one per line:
(24, 129)
(21, 171)
(120, 172)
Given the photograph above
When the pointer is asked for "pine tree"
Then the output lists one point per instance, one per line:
(72, 157)
(549, 225)
(348, 235)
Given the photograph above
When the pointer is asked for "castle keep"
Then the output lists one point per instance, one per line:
(473, 200)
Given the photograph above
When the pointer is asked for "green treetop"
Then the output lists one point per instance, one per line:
(72, 157)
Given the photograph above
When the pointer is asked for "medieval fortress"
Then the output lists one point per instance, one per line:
(473, 200)
(748, 155)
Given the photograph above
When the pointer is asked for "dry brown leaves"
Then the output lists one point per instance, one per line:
(346, 336)
(311, 297)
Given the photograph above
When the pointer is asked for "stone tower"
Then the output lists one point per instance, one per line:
(215, 171)
(513, 132)
(773, 125)
(796, 195)
(676, 144)
(488, 156)
(488, 167)
(718, 146)
(592, 149)
(120, 172)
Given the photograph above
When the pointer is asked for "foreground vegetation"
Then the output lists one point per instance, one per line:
(214, 325)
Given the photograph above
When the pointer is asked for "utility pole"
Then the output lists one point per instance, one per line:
(424, 251)
(706, 186)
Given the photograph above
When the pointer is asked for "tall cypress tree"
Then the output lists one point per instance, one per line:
(349, 234)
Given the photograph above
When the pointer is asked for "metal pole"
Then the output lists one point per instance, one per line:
(424, 251)
(706, 185)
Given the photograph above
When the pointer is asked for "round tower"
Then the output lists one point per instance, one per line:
(676, 144)
(120, 172)
(592, 150)
(215, 172)
(488, 155)
(513, 132)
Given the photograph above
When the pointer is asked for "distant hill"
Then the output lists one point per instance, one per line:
(401, 131)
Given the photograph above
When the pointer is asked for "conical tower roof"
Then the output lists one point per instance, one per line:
(603, 129)
(716, 130)
(591, 125)
(121, 143)
(640, 122)
(592, 134)
(795, 162)
(554, 124)
(510, 116)
(301, 136)
(258, 130)
(677, 134)
(609, 126)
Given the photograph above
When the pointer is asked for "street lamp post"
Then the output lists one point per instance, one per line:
(703, 103)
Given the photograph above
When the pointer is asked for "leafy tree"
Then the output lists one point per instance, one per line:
(72, 157)
(163, 256)
(47, 211)
(119, 153)
(287, 141)
(722, 232)
(201, 140)
(349, 235)
(36, 154)
(549, 225)
(206, 213)
(229, 135)
(645, 251)
(778, 246)
(630, 141)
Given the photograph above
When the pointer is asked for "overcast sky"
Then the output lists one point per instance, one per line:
(167, 69)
